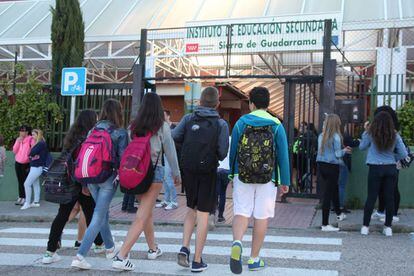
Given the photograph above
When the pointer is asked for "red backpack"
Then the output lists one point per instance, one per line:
(95, 161)
(136, 172)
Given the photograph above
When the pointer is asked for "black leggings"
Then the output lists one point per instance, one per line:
(397, 198)
(380, 177)
(328, 179)
(22, 171)
(88, 205)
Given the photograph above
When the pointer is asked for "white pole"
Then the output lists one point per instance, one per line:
(72, 109)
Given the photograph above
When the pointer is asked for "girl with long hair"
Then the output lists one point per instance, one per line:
(110, 120)
(330, 153)
(385, 147)
(150, 119)
(38, 157)
(77, 133)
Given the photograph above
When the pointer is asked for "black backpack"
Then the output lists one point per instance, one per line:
(58, 184)
(256, 155)
(199, 149)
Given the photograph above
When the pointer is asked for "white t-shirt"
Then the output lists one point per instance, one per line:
(225, 163)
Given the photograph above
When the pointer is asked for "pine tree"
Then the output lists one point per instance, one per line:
(67, 35)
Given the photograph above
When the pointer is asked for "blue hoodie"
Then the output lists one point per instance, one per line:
(260, 118)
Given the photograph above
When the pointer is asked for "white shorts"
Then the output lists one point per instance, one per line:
(254, 199)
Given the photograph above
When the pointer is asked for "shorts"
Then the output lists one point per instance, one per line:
(254, 199)
(200, 191)
(158, 174)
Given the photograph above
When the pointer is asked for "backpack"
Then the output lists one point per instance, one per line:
(136, 172)
(58, 185)
(256, 155)
(198, 152)
(95, 161)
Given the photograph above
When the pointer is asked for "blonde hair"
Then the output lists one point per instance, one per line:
(40, 136)
(331, 126)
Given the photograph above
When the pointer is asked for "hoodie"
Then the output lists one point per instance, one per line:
(178, 133)
(260, 118)
(22, 149)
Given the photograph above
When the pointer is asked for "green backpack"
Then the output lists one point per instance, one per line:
(256, 155)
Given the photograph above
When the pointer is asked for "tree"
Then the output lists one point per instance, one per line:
(67, 35)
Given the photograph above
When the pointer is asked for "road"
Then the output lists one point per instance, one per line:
(287, 252)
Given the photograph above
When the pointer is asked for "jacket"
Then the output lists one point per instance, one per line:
(22, 149)
(333, 151)
(39, 154)
(260, 118)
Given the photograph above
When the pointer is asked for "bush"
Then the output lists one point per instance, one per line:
(406, 119)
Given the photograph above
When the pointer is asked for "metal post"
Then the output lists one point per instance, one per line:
(15, 72)
(289, 117)
(138, 86)
(72, 109)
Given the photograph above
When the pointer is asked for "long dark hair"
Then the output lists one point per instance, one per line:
(84, 122)
(382, 131)
(150, 116)
(112, 111)
(392, 113)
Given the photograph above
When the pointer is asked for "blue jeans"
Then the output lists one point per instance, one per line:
(170, 195)
(222, 182)
(102, 194)
(343, 179)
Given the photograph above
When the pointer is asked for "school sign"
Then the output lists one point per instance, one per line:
(265, 34)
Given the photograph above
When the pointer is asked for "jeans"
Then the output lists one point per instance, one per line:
(128, 202)
(328, 179)
(33, 180)
(343, 179)
(380, 177)
(62, 217)
(170, 195)
(22, 171)
(102, 194)
(222, 182)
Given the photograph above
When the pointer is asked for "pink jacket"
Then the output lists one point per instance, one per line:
(22, 149)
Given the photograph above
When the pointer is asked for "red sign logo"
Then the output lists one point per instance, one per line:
(191, 48)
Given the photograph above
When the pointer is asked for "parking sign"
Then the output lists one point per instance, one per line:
(73, 81)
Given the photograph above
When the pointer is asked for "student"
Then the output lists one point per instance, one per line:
(329, 158)
(77, 133)
(38, 157)
(204, 133)
(111, 121)
(150, 119)
(258, 148)
(223, 172)
(2, 157)
(21, 149)
(384, 144)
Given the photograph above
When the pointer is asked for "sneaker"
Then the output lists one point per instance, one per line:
(25, 206)
(329, 228)
(221, 220)
(50, 257)
(387, 231)
(198, 267)
(171, 206)
(35, 204)
(76, 245)
(162, 204)
(99, 249)
(153, 254)
(394, 219)
(19, 201)
(364, 230)
(345, 211)
(236, 265)
(183, 257)
(119, 264)
(256, 265)
(211, 224)
(111, 253)
(341, 217)
(133, 210)
(377, 215)
(81, 263)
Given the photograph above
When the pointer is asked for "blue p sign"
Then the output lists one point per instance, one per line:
(73, 81)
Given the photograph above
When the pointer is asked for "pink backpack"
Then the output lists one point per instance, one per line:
(136, 172)
(94, 164)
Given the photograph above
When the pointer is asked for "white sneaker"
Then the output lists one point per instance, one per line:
(117, 263)
(364, 230)
(171, 206)
(152, 255)
(25, 206)
(19, 201)
(80, 263)
(162, 204)
(387, 231)
(50, 257)
(341, 217)
(394, 219)
(35, 204)
(329, 228)
(377, 215)
(111, 253)
(99, 249)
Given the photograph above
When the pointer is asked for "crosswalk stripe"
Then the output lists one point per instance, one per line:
(211, 250)
(146, 266)
(176, 235)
